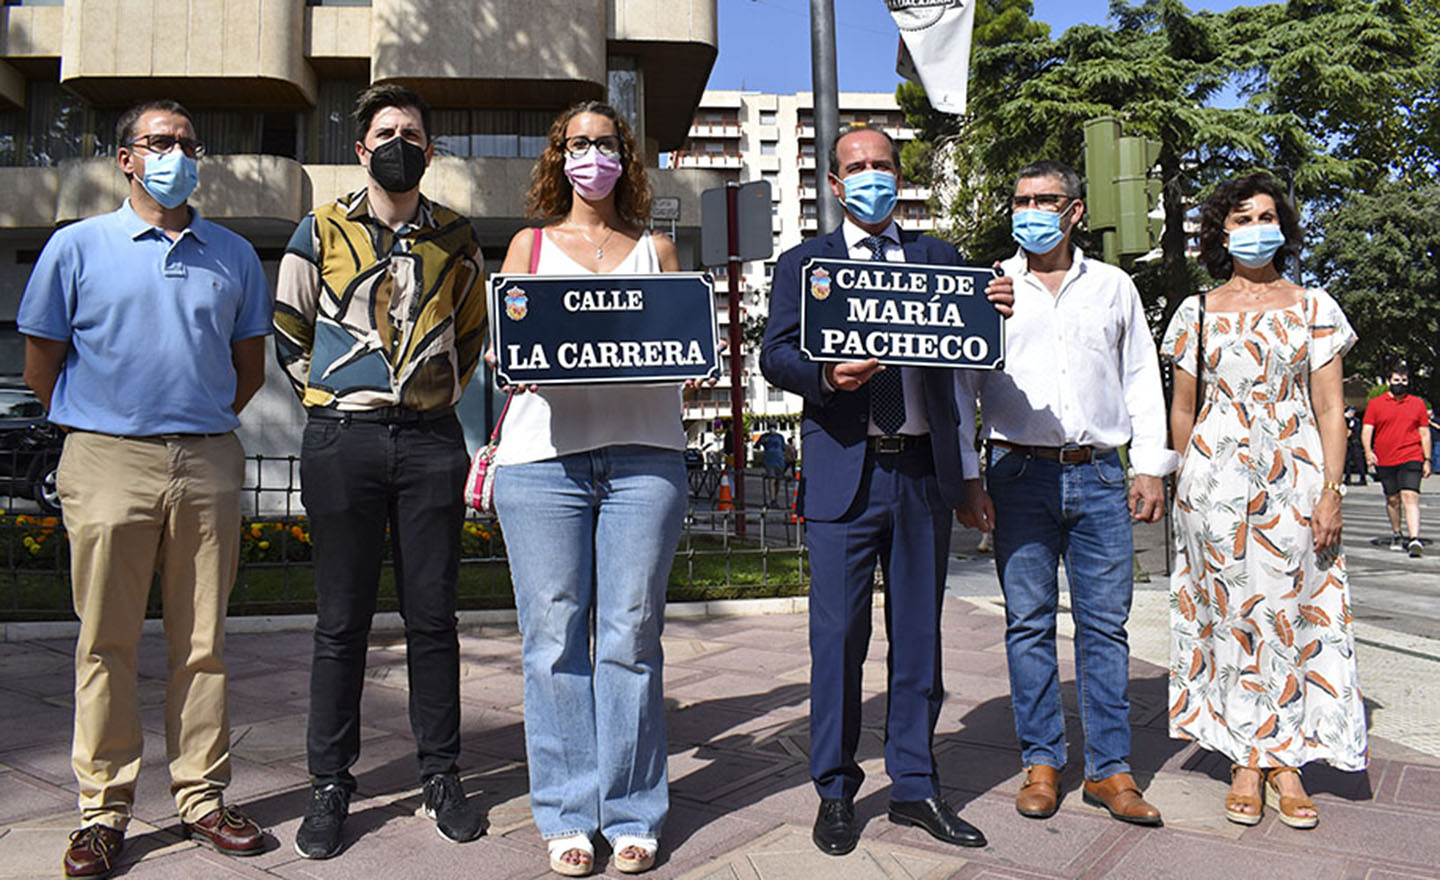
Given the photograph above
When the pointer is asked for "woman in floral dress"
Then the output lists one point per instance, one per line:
(1262, 648)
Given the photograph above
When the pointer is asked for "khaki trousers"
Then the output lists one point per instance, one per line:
(134, 507)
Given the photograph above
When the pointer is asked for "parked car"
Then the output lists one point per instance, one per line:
(29, 448)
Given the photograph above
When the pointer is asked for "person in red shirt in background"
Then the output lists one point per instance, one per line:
(1397, 444)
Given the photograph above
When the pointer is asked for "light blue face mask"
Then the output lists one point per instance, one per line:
(170, 177)
(1037, 231)
(870, 195)
(1255, 245)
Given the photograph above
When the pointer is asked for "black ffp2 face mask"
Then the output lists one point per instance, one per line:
(397, 165)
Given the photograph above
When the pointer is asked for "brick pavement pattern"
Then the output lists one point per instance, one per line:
(742, 802)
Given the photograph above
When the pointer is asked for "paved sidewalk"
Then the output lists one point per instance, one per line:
(741, 800)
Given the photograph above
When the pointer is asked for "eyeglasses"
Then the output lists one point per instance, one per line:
(1043, 201)
(164, 143)
(579, 145)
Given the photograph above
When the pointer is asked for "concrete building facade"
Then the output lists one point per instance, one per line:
(745, 136)
(271, 84)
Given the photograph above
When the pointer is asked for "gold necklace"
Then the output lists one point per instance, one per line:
(599, 248)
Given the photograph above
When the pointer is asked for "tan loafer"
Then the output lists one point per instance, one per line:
(1119, 794)
(1039, 795)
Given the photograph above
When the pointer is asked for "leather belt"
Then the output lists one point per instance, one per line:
(892, 444)
(177, 435)
(1062, 454)
(390, 415)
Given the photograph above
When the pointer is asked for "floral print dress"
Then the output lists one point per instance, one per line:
(1262, 651)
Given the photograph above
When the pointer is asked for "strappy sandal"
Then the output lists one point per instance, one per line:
(561, 847)
(1234, 803)
(1289, 807)
(635, 864)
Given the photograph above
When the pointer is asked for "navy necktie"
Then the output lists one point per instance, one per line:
(887, 392)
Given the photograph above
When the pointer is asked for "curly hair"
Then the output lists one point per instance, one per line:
(1227, 197)
(551, 194)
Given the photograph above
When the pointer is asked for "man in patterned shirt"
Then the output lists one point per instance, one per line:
(378, 318)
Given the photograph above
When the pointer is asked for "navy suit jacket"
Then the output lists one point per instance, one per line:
(835, 423)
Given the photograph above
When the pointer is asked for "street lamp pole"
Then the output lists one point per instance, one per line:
(826, 89)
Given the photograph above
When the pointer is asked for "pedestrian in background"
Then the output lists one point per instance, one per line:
(1262, 649)
(144, 338)
(1354, 447)
(591, 494)
(378, 320)
(1397, 444)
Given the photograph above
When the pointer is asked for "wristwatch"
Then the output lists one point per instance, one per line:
(1337, 488)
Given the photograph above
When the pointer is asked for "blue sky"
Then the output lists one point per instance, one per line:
(765, 44)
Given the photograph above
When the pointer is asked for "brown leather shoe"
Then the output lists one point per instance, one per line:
(93, 851)
(1119, 794)
(1039, 795)
(227, 831)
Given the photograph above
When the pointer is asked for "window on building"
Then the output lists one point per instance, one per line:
(809, 211)
(57, 125)
(769, 271)
(10, 137)
(767, 117)
(497, 134)
(335, 134)
(767, 148)
(228, 132)
(773, 394)
(623, 86)
(807, 150)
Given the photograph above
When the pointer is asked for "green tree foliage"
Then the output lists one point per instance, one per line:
(1359, 79)
(1337, 94)
(1380, 257)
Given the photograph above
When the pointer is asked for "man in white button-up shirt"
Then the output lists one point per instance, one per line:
(1080, 380)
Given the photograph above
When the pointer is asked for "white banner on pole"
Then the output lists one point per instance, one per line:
(935, 47)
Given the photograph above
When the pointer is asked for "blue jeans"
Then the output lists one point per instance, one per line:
(593, 535)
(1045, 510)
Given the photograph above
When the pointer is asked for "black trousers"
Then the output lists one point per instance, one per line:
(357, 477)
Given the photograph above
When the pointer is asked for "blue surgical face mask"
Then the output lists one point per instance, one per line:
(170, 177)
(1255, 245)
(1037, 231)
(870, 195)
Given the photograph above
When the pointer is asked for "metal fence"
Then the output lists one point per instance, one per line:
(722, 554)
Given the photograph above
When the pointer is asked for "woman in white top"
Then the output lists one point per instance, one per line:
(591, 496)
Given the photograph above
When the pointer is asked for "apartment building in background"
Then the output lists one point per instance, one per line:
(746, 136)
(271, 84)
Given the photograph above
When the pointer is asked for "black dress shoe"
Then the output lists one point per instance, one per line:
(835, 832)
(936, 817)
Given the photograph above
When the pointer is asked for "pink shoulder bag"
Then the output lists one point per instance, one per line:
(480, 483)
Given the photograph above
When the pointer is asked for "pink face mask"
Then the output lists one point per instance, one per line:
(593, 174)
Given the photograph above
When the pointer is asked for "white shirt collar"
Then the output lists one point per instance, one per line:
(854, 234)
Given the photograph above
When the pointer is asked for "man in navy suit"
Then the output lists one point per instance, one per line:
(882, 477)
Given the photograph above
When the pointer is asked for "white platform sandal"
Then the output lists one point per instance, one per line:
(629, 864)
(563, 846)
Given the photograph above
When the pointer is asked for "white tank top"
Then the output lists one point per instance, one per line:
(562, 420)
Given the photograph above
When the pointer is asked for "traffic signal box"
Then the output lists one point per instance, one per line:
(1120, 194)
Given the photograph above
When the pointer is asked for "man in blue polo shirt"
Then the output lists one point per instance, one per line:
(144, 337)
